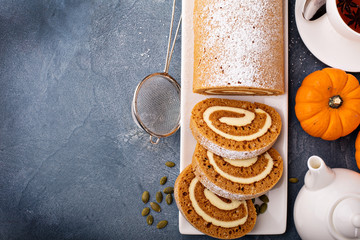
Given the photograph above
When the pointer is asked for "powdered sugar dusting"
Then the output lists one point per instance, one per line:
(243, 37)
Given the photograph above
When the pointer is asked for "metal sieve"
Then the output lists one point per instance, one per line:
(156, 103)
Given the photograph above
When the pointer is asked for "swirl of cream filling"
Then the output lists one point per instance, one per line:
(241, 162)
(239, 92)
(242, 121)
(230, 91)
(242, 180)
(217, 203)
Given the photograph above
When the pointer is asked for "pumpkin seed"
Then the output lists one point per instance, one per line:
(162, 224)
(145, 211)
(155, 207)
(163, 180)
(257, 208)
(293, 180)
(170, 164)
(168, 190)
(150, 220)
(159, 197)
(169, 199)
(264, 198)
(263, 208)
(145, 197)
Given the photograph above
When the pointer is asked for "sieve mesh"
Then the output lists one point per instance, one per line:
(158, 104)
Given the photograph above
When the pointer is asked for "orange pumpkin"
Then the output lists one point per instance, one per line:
(357, 150)
(327, 104)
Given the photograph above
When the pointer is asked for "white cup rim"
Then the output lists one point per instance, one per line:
(338, 23)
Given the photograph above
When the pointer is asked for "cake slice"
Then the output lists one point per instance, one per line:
(237, 179)
(235, 129)
(213, 215)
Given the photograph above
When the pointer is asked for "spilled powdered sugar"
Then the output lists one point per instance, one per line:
(245, 33)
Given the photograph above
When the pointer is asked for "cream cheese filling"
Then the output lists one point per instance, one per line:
(238, 121)
(241, 162)
(206, 217)
(230, 91)
(249, 92)
(242, 180)
(242, 120)
(217, 202)
(239, 92)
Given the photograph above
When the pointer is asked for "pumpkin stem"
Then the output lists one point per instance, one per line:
(335, 101)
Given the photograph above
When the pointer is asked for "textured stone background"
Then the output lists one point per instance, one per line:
(73, 164)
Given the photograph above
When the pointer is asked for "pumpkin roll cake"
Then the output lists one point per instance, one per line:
(237, 179)
(235, 129)
(238, 47)
(211, 214)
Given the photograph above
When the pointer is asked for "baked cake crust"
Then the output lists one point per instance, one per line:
(238, 47)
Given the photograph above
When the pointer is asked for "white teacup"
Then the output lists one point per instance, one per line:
(338, 23)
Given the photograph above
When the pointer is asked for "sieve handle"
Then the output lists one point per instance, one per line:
(169, 52)
(157, 139)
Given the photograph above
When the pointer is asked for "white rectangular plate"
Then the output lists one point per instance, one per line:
(274, 219)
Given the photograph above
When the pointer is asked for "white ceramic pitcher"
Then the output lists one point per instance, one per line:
(328, 205)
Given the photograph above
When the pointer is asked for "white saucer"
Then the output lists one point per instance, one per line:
(326, 44)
